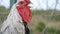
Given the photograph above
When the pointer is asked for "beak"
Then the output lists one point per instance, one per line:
(31, 4)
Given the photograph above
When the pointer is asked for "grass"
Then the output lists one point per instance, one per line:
(3, 12)
(56, 18)
(3, 9)
(45, 12)
(58, 32)
(37, 12)
(3, 17)
(51, 30)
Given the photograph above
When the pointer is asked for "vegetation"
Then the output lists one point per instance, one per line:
(58, 32)
(45, 12)
(3, 12)
(3, 9)
(37, 12)
(31, 31)
(41, 26)
(50, 30)
(55, 18)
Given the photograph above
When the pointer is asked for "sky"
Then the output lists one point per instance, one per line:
(37, 4)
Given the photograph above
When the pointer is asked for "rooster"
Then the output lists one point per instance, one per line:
(19, 16)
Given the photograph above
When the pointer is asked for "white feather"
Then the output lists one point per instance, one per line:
(13, 24)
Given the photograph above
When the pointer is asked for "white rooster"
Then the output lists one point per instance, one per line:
(13, 24)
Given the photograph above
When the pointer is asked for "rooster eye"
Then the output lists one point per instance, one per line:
(21, 2)
(26, 4)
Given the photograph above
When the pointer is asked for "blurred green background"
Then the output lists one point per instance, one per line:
(43, 21)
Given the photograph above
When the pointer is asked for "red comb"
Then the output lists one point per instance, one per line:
(27, 1)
